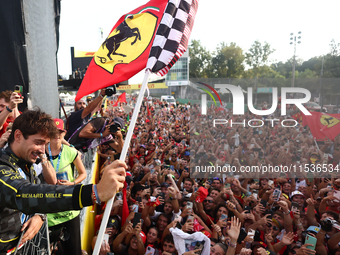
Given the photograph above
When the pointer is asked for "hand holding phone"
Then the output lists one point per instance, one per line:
(295, 207)
(136, 219)
(311, 242)
(224, 217)
(251, 233)
(227, 185)
(106, 238)
(18, 89)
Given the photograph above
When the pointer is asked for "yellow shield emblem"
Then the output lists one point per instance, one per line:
(127, 42)
(328, 121)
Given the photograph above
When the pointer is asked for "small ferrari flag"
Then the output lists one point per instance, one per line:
(121, 99)
(323, 125)
(298, 117)
(126, 50)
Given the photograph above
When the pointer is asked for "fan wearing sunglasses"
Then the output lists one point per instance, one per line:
(280, 246)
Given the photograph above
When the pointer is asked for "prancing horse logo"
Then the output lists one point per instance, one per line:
(113, 43)
(127, 42)
(329, 121)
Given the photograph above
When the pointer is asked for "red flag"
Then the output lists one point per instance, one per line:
(121, 99)
(323, 125)
(147, 108)
(125, 209)
(298, 117)
(126, 50)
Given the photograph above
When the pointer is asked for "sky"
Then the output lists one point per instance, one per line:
(241, 21)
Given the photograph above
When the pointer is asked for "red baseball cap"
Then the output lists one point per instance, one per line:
(143, 236)
(60, 124)
(206, 233)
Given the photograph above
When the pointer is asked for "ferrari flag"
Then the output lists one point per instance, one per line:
(323, 125)
(121, 99)
(126, 50)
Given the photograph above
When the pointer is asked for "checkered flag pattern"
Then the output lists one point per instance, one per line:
(172, 36)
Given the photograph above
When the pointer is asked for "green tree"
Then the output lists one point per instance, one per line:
(199, 60)
(258, 55)
(228, 61)
(307, 73)
(283, 68)
(332, 61)
(313, 64)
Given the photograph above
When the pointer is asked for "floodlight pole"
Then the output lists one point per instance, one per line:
(293, 38)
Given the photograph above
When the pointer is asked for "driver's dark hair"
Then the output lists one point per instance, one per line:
(33, 122)
(6, 95)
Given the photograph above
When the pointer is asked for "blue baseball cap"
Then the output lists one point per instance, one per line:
(165, 184)
(314, 229)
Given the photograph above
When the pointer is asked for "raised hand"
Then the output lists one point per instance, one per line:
(217, 229)
(231, 206)
(306, 251)
(193, 252)
(245, 251)
(138, 228)
(112, 180)
(310, 201)
(288, 238)
(261, 251)
(128, 229)
(234, 229)
(264, 220)
(269, 238)
(188, 226)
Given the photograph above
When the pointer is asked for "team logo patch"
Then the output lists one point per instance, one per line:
(329, 121)
(127, 42)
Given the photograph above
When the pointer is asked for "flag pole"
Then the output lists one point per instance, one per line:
(317, 146)
(128, 137)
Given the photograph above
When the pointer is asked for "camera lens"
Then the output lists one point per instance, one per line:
(109, 91)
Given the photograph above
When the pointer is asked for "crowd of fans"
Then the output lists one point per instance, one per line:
(239, 214)
(173, 209)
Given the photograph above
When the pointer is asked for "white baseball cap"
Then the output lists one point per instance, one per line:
(296, 192)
